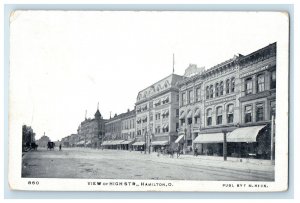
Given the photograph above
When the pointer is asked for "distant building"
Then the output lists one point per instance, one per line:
(91, 131)
(43, 141)
(113, 133)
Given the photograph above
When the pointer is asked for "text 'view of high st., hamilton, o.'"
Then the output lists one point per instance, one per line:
(208, 124)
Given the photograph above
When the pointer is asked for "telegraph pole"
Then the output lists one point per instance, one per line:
(224, 145)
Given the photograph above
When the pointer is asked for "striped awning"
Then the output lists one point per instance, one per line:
(189, 114)
(179, 138)
(182, 115)
(197, 113)
(246, 134)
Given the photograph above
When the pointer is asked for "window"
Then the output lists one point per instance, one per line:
(211, 91)
(177, 97)
(157, 129)
(219, 115)
(208, 117)
(259, 112)
(157, 116)
(177, 127)
(197, 120)
(217, 89)
(248, 86)
(260, 83)
(227, 86)
(182, 121)
(198, 94)
(272, 109)
(248, 114)
(273, 79)
(191, 97)
(177, 112)
(232, 84)
(183, 98)
(221, 88)
(207, 92)
(230, 113)
(190, 121)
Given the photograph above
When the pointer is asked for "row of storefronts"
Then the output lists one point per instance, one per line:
(224, 110)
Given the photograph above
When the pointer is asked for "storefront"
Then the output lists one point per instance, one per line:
(138, 146)
(159, 145)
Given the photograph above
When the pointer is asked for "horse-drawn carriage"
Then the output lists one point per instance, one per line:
(50, 146)
(30, 146)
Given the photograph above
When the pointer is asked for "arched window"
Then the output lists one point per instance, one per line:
(227, 86)
(230, 113)
(208, 117)
(219, 115)
(207, 92)
(217, 89)
(221, 88)
(232, 84)
(211, 91)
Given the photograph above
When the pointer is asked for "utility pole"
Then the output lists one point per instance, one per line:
(224, 145)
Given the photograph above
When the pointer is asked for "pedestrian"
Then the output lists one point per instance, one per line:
(178, 152)
(59, 147)
(196, 152)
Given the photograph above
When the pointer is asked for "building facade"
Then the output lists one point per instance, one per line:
(128, 129)
(91, 131)
(231, 98)
(43, 141)
(157, 110)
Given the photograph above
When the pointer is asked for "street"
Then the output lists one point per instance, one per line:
(115, 164)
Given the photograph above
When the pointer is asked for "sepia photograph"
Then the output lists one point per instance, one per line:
(148, 101)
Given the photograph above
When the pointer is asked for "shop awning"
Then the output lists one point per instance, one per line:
(179, 139)
(88, 142)
(128, 142)
(138, 143)
(106, 143)
(189, 114)
(246, 134)
(161, 143)
(197, 113)
(209, 138)
(116, 142)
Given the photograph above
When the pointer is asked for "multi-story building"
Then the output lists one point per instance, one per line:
(113, 133)
(128, 129)
(235, 98)
(157, 114)
(91, 131)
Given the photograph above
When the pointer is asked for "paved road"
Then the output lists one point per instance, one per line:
(111, 164)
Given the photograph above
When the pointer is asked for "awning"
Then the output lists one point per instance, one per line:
(209, 138)
(179, 139)
(182, 115)
(106, 143)
(88, 142)
(116, 142)
(157, 101)
(189, 114)
(165, 126)
(138, 143)
(81, 142)
(162, 143)
(246, 134)
(166, 112)
(128, 142)
(197, 113)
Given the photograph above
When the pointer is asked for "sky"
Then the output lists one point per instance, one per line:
(62, 63)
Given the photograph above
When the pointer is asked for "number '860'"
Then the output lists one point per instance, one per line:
(33, 182)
